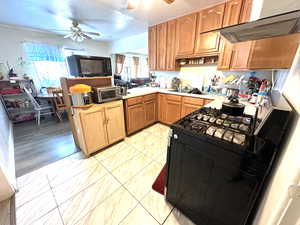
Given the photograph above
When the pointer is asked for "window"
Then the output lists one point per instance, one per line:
(48, 62)
(135, 68)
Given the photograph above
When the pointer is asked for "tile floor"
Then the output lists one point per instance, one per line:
(111, 187)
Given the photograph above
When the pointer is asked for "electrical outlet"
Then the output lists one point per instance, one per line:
(294, 191)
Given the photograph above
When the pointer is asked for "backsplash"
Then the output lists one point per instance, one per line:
(199, 76)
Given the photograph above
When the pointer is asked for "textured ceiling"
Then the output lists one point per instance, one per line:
(108, 17)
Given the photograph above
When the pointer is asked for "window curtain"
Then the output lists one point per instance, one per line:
(48, 64)
(120, 59)
(136, 64)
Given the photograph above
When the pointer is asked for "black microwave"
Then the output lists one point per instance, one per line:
(89, 66)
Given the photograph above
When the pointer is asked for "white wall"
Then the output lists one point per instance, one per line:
(135, 44)
(288, 170)
(11, 39)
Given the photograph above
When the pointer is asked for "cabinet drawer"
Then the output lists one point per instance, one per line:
(193, 101)
(174, 98)
(150, 97)
(134, 101)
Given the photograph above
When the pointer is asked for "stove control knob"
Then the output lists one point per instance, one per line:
(175, 136)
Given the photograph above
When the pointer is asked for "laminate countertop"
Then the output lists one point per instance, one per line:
(250, 109)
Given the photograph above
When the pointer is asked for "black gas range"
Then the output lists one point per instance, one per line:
(218, 164)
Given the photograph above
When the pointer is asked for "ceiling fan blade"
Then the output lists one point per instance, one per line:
(91, 33)
(68, 35)
(169, 1)
(86, 36)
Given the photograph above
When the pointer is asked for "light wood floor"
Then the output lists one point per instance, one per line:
(36, 146)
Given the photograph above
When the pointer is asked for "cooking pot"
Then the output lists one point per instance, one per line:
(233, 107)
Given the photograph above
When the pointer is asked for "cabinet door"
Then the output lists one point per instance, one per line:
(115, 122)
(185, 35)
(161, 108)
(225, 55)
(240, 55)
(211, 18)
(274, 53)
(93, 123)
(246, 11)
(207, 44)
(161, 51)
(135, 118)
(150, 112)
(173, 111)
(188, 108)
(152, 47)
(171, 46)
(232, 12)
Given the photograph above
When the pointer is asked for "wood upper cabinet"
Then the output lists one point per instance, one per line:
(185, 34)
(246, 11)
(94, 131)
(211, 18)
(115, 121)
(161, 48)
(232, 12)
(240, 55)
(171, 46)
(274, 53)
(207, 44)
(150, 106)
(225, 55)
(152, 47)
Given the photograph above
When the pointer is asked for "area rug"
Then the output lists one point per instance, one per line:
(160, 182)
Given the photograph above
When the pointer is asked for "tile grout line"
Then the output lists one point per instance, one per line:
(61, 218)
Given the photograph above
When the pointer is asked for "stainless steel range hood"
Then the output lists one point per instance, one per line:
(278, 25)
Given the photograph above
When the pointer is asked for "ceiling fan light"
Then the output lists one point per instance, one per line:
(133, 4)
(169, 1)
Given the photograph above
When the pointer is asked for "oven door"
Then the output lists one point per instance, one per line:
(108, 94)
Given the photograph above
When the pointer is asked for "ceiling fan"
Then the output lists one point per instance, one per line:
(133, 4)
(77, 34)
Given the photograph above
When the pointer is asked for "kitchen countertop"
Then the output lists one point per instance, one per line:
(135, 92)
(217, 103)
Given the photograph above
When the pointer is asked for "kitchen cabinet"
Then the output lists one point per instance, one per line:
(161, 107)
(240, 55)
(171, 46)
(140, 112)
(161, 52)
(232, 12)
(99, 126)
(172, 108)
(225, 55)
(268, 53)
(115, 121)
(246, 11)
(152, 47)
(150, 106)
(190, 105)
(186, 34)
(210, 18)
(207, 44)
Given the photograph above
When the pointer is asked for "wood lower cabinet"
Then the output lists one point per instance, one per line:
(186, 34)
(190, 104)
(173, 111)
(115, 122)
(99, 126)
(232, 12)
(161, 107)
(140, 112)
(135, 118)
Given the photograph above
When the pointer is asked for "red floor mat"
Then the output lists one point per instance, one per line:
(160, 182)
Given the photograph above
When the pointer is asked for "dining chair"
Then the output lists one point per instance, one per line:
(40, 110)
(60, 106)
